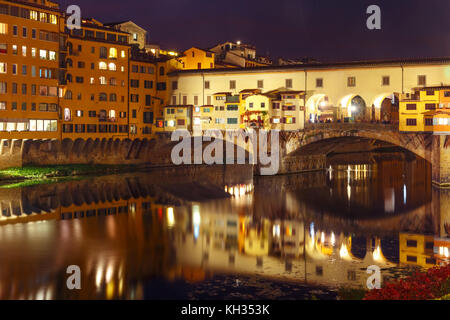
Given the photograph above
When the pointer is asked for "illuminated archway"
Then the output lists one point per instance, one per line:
(385, 107)
(353, 106)
(315, 107)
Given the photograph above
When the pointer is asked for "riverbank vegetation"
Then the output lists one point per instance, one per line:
(17, 177)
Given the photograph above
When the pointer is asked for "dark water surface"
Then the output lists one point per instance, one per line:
(215, 233)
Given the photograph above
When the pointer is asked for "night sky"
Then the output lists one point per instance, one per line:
(328, 30)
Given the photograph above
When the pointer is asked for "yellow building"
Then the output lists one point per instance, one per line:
(196, 58)
(287, 111)
(177, 118)
(417, 249)
(426, 110)
(29, 57)
(164, 66)
(95, 99)
(256, 113)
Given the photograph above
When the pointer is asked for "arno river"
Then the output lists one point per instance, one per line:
(215, 233)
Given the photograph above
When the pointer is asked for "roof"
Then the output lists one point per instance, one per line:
(330, 65)
(437, 112)
(432, 88)
(201, 49)
(222, 93)
(114, 24)
(291, 92)
(250, 91)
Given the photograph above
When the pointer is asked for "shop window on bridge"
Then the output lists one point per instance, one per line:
(411, 122)
(411, 106)
(430, 106)
(428, 121)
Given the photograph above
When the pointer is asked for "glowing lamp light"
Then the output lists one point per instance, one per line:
(196, 215)
(322, 238)
(377, 254)
(343, 252)
(109, 273)
(333, 239)
(170, 217)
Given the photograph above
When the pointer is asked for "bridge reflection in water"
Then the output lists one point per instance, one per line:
(126, 231)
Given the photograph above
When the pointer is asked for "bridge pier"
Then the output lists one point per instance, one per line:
(440, 159)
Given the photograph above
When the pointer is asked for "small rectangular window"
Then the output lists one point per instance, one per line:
(422, 80)
(319, 83)
(351, 81)
(288, 83)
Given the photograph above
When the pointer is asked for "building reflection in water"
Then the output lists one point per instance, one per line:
(126, 231)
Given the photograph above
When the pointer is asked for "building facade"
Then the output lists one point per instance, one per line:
(30, 37)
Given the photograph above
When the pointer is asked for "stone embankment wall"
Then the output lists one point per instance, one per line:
(155, 152)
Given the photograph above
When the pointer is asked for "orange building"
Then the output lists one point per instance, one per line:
(143, 100)
(29, 56)
(196, 58)
(94, 102)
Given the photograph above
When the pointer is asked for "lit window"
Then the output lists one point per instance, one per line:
(3, 28)
(79, 113)
(122, 69)
(33, 15)
(102, 66)
(43, 54)
(24, 51)
(53, 19)
(33, 52)
(67, 114)
(92, 80)
(112, 114)
(113, 53)
(43, 17)
(14, 49)
(3, 67)
(103, 80)
(122, 54)
(112, 66)
(52, 55)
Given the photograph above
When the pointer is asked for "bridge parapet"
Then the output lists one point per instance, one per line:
(352, 126)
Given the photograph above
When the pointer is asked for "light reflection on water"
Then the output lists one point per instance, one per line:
(158, 235)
